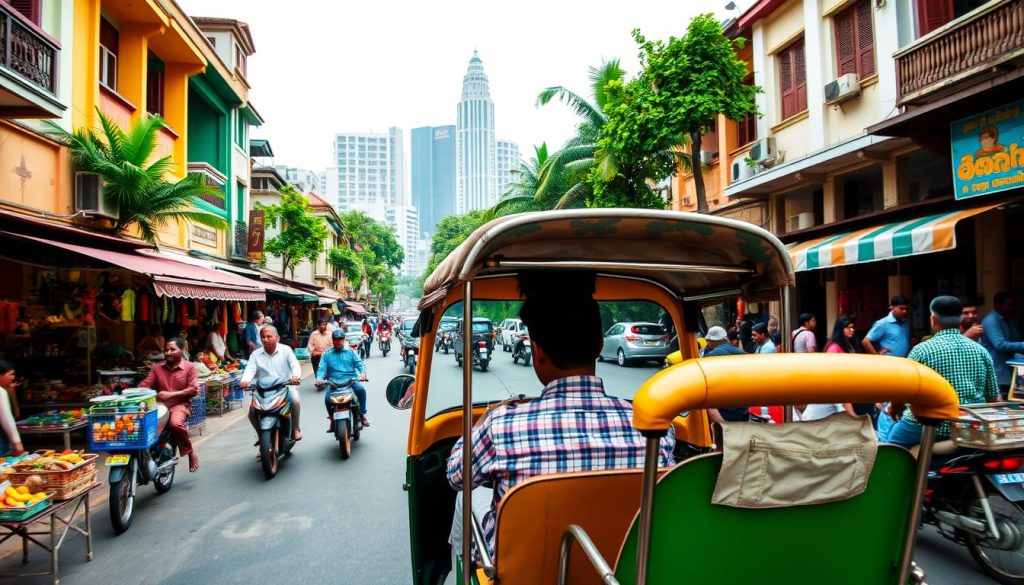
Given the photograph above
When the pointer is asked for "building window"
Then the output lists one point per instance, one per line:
(855, 50)
(27, 8)
(792, 79)
(746, 129)
(862, 191)
(212, 41)
(240, 128)
(924, 175)
(109, 43)
(239, 60)
(155, 86)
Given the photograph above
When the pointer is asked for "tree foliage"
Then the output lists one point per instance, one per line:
(450, 232)
(301, 234)
(138, 188)
(378, 251)
(346, 260)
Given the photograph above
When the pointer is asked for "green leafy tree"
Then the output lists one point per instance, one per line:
(136, 187)
(378, 251)
(686, 83)
(450, 232)
(302, 233)
(347, 261)
(522, 194)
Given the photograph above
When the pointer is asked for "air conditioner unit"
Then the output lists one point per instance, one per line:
(89, 196)
(706, 157)
(741, 170)
(763, 150)
(801, 221)
(842, 89)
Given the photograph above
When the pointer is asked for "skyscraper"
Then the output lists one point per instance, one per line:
(508, 160)
(475, 142)
(369, 172)
(433, 174)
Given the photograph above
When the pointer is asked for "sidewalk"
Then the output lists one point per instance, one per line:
(99, 497)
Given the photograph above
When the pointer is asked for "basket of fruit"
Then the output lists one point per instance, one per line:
(21, 503)
(124, 426)
(66, 474)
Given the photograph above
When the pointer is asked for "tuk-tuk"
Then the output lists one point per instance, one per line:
(674, 263)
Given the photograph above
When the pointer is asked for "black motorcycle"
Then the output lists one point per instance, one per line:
(410, 345)
(132, 468)
(345, 413)
(522, 350)
(974, 499)
(272, 406)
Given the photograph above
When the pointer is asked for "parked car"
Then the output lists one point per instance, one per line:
(511, 330)
(482, 343)
(627, 343)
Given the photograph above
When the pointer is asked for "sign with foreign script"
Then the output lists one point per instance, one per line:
(255, 249)
(988, 151)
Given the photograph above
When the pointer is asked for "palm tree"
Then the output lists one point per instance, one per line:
(141, 192)
(522, 194)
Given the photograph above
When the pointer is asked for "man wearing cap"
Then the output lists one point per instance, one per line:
(718, 345)
(341, 364)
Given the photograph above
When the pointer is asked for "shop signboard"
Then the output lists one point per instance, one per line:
(988, 151)
(255, 249)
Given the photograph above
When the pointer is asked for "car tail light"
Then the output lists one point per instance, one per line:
(946, 470)
(1004, 464)
(634, 338)
(481, 344)
(665, 337)
(634, 329)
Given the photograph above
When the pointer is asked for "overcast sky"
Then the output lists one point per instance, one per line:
(322, 67)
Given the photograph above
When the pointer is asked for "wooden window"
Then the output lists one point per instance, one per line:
(28, 8)
(933, 14)
(855, 48)
(155, 86)
(109, 42)
(746, 129)
(793, 79)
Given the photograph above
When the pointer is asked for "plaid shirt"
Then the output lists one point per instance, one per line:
(572, 426)
(962, 362)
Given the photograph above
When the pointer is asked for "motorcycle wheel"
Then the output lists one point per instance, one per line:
(344, 438)
(165, 480)
(526, 361)
(356, 431)
(445, 350)
(1003, 565)
(122, 500)
(515, 357)
(483, 365)
(268, 453)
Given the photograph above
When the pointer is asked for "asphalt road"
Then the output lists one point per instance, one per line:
(321, 520)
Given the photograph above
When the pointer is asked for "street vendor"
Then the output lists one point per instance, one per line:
(10, 439)
(175, 382)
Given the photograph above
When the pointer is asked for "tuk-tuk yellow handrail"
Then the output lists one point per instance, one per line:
(753, 380)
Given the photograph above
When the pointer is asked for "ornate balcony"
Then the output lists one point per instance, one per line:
(979, 44)
(28, 79)
(215, 179)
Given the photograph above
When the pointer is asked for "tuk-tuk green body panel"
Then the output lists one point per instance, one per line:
(854, 542)
(431, 505)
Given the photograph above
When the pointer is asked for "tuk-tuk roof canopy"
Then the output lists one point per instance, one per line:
(690, 254)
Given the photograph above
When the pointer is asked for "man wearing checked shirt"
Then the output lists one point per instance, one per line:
(573, 425)
(962, 362)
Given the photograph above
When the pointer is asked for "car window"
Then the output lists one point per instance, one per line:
(481, 327)
(647, 329)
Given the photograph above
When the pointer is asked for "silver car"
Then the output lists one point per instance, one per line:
(635, 342)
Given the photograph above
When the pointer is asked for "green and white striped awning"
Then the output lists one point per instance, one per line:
(932, 233)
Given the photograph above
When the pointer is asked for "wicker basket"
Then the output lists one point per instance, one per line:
(991, 427)
(65, 484)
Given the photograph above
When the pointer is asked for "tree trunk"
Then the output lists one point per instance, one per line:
(698, 173)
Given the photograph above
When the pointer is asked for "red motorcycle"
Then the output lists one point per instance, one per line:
(384, 342)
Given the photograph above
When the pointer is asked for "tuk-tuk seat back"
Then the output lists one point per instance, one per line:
(533, 515)
(853, 541)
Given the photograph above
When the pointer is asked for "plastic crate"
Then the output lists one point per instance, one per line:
(140, 434)
(237, 394)
(197, 417)
(991, 427)
(20, 514)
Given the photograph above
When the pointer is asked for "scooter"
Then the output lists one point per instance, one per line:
(522, 350)
(384, 340)
(272, 407)
(481, 356)
(132, 468)
(444, 341)
(345, 414)
(975, 500)
(409, 356)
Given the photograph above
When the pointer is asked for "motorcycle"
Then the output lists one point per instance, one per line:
(443, 341)
(974, 500)
(409, 347)
(272, 407)
(481, 356)
(345, 413)
(522, 350)
(355, 343)
(132, 468)
(384, 340)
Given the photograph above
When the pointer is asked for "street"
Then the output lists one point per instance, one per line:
(321, 520)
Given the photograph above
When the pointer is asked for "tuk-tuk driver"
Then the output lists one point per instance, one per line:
(573, 425)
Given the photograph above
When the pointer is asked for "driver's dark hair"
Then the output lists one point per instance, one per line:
(177, 341)
(563, 318)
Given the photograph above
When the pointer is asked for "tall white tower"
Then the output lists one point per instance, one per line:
(476, 150)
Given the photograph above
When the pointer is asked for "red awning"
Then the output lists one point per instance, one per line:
(355, 307)
(170, 278)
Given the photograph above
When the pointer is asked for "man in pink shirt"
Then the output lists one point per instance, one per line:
(175, 382)
(319, 342)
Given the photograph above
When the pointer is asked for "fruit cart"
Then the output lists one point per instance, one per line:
(55, 422)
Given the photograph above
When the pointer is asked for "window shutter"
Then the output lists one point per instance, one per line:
(799, 76)
(846, 51)
(786, 82)
(865, 40)
(28, 8)
(933, 14)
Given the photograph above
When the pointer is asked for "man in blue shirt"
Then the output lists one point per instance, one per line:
(252, 333)
(718, 345)
(341, 364)
(1001, 337)
(890, 335)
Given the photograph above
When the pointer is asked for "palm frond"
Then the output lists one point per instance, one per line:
(584, 109)
(599, 78)
(114, 135)
(574, 196)
(142, 139)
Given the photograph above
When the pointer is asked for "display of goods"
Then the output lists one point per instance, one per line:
(19, 503)
(127, 426)
(65, 475)
(989, 426)
(54, 419)
(6, 462)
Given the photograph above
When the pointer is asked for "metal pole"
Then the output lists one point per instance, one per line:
(467, 432)
(924, 457)
(786, 324)
(647, 508)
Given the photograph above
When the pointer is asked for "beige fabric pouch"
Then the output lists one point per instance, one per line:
(796, 464)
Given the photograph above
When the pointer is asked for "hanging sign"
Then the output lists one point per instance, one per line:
(988, 151)
(255, 249)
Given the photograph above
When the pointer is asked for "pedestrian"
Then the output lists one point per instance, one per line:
(963, 363)
(842, 339)
(745, 328)
(890, 335)
(1002, 337)
(10, 439)
(719, 345)
(176, 384)
(970, 326)
(804, 340)
(252, 333)
(773, 330)
(319, 342)
(762, 343)
(733, 335)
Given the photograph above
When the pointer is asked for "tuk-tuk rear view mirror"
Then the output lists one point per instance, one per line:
(400, 391)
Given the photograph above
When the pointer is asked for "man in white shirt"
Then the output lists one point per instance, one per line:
(278, 360)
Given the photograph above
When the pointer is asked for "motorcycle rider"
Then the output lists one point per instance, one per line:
(175, 382)
(341, 364)
(277, 360)
(383, 326)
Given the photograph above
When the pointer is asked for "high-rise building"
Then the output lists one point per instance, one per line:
(404, 219)
(369, 171)
(433, 174)
(508, 160)
(305, 181)
(476, 166)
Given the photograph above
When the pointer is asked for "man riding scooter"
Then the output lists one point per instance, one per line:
(341, 364)
(276, 360)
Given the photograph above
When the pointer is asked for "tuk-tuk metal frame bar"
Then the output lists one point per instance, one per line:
(786, 324)
(467, 434)
(924, 458)
(650, 479)
(600, 264)
(576, 533)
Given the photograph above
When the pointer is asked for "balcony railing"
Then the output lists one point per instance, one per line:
(988, 37)
(215, 179)
(27, 51)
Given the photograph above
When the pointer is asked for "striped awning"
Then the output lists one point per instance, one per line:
(932, 233)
